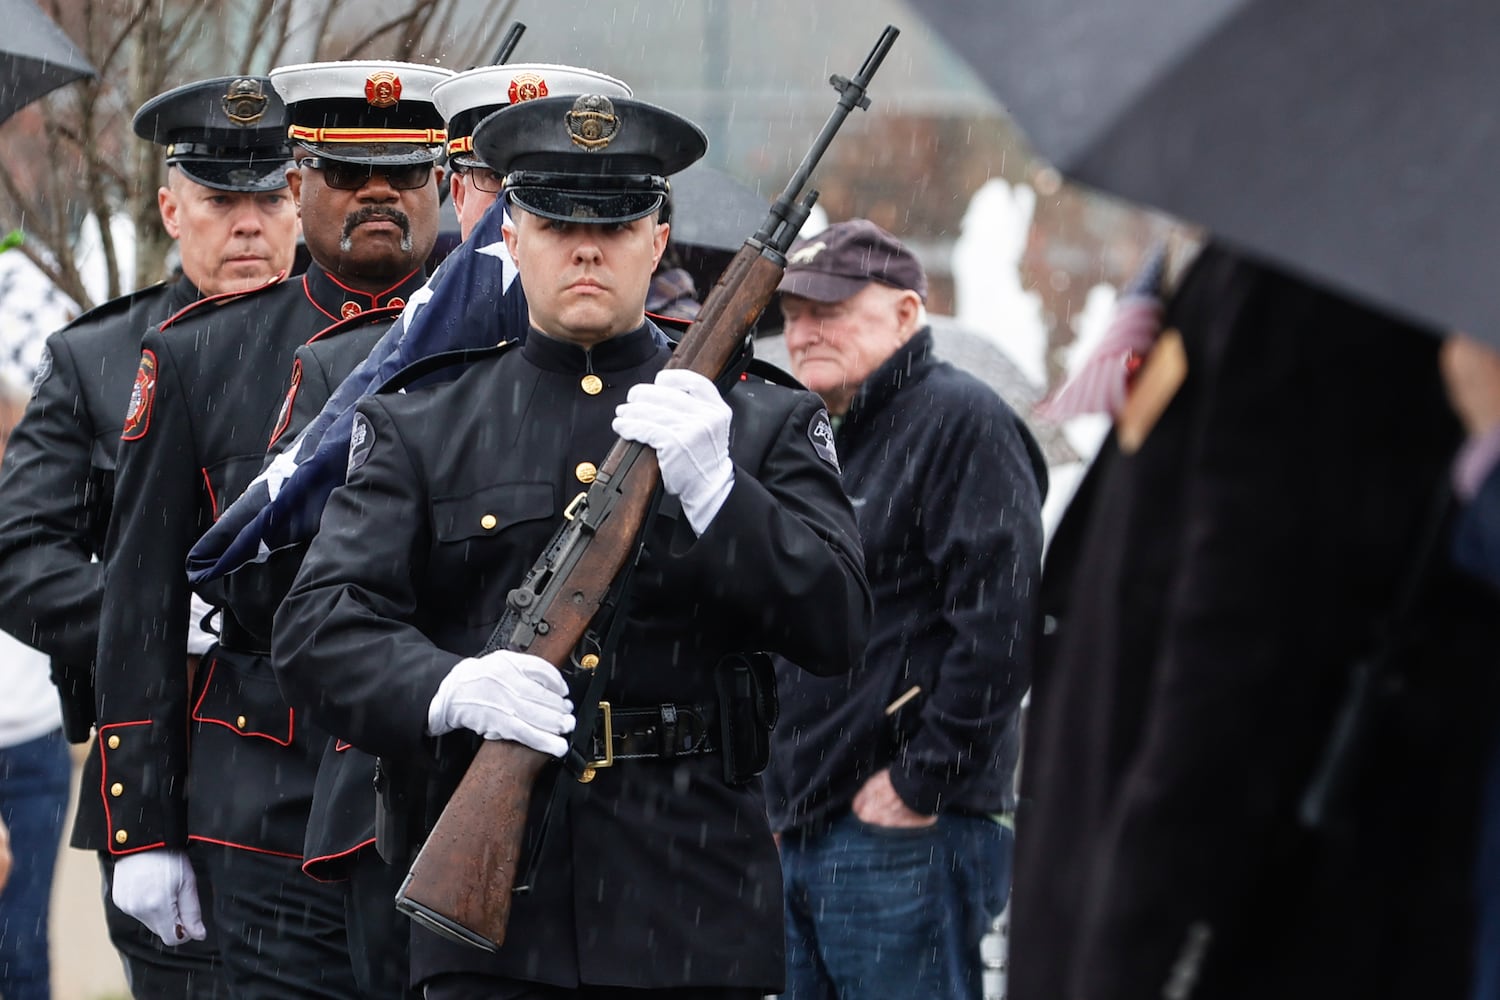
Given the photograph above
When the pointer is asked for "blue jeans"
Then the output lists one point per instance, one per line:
(33, 801)
(876, 912)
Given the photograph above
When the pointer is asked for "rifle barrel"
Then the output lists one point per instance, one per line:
(508, 43)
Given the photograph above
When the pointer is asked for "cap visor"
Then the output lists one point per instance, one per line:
(587, 207)
(236, 175)
(395, 154)
(820, 286)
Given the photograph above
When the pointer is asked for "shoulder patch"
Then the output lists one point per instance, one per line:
(142, 396)
(361, 440)
(285, 416)
(820, 433)
(43, 372)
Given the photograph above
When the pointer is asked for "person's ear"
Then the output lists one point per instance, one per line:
(166, 204)
(659, 243)
(457, 192)
(512, 242)
(908, 310)
(294, 184)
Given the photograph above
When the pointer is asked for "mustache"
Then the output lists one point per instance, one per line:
(372, 213)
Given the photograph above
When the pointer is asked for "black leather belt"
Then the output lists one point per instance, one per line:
(658, 733)
(235, 637)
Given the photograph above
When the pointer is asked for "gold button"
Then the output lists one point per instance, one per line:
(114, 742)
(586, 472)
(121, 836)
(592, 384)
(117, 789)
(240, 722)
(588, 775)
(488, 522)
(589, 661)
(350, 309)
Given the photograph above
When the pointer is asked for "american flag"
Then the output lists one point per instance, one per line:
(472, 300)
(1100, 384)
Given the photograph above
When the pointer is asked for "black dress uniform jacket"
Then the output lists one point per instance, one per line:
(206, 402)
(341, 819)
(1210, 594)
(55, 496)
(661, 874)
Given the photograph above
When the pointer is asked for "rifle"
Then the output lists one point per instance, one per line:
(508, 43)
(461, 881)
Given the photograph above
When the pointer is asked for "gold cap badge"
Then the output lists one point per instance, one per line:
(592, 123)
(245, 102)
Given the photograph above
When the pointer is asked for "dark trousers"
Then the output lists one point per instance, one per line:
(379, 934)
(466, 986)
(280, 932)
(33, 800)
(190, 970)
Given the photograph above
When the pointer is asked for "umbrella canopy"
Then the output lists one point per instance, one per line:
(1352, 141)
(35, 56)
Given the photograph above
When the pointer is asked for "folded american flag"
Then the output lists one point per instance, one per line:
(472, 300)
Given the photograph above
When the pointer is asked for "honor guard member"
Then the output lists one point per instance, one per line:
(660, 873)
(217, 759)
(340, 842)
(226, 203)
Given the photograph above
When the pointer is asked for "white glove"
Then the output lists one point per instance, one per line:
(505, 696)
(158, 889)
(199, 640)
(684, 418)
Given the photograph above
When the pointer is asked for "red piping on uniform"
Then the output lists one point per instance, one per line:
(384, 312)
(279, 275)
(244, 847)
(290, 715)
(213, 501)
(307, 865)
(339, 746)
(374, 297)
(308, 292)
(109, 821)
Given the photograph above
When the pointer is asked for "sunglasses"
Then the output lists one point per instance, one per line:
(344, 176)
(484, 179)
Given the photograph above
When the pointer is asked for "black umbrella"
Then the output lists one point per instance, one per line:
(35, 56)
(1353, 141)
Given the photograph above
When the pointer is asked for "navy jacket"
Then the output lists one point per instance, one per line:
(947, 486)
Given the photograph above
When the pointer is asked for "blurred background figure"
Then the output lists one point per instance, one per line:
(34, 773)
(1245, 551)
(1471, 373)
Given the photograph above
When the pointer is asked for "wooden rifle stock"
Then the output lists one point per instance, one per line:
(461, 881)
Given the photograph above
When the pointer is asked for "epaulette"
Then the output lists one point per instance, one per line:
(423, 369)
(221, 299)
(358, 319)
(118, 304)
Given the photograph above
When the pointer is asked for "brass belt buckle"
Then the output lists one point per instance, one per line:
(608, 760)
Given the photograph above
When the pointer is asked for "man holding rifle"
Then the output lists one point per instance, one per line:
(659, 875)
